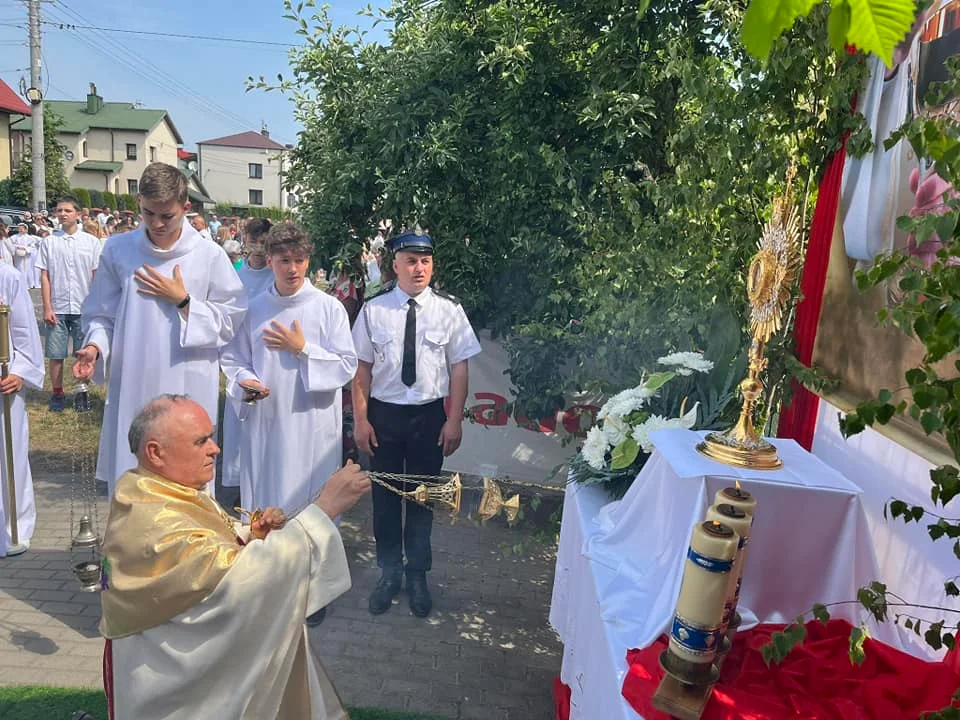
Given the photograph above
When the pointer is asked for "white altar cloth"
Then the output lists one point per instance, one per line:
(620, 564)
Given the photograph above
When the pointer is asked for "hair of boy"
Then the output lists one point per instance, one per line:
(70, 200)
(163, 183)
(257, 228)
(288, 237)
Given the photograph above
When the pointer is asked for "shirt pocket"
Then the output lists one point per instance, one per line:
(382, 346)
(435, 354)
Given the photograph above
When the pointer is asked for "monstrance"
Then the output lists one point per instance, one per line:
(770, 277)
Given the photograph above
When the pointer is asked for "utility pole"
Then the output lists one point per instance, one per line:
(35, 95)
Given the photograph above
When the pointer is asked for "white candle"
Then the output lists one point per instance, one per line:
(737, 497)
(695, 634)
(740, 523)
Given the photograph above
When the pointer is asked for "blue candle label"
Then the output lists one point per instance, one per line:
(708, 563)
(694, 639)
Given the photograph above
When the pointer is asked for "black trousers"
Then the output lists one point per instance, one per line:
(407, 443)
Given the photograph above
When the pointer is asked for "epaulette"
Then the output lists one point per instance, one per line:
(384, 289)
(447, 296)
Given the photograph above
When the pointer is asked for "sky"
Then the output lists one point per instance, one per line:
(201, 83)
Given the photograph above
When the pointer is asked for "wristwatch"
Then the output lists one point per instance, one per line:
(183, 303)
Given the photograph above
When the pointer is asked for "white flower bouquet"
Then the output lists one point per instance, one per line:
(618, 445)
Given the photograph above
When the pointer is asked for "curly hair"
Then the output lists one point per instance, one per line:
(288, 237)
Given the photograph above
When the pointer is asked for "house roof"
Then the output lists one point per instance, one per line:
(198, 194)
(185, 154)
(99, 165)
(249, 139)
(112, 116)
(10, 102)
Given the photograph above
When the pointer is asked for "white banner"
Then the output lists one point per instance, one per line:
(495, 444)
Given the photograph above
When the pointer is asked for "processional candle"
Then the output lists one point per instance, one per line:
(695, 633)
(738, 521)
(742, 499)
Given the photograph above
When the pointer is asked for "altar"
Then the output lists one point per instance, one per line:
(619, 564)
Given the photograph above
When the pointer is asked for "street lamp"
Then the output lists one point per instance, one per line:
(34, 96)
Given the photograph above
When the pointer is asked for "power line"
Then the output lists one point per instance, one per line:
(205, 38)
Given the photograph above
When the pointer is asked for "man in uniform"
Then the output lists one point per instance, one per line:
(413, 344)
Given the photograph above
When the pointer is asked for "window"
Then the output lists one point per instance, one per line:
(256, 170)
(256, 197)
(133, 187)
(83, 148)
(131, 151)
(153, 153)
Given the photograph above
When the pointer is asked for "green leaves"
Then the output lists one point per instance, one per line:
(659, 379)
(765, 20)
(821, 613)
(782, 643)
(624, 454)
(858, 637)
(872, 26)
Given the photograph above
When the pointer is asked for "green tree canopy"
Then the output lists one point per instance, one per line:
(54, 162)
(594, 173)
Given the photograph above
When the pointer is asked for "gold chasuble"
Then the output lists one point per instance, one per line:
(200, 625)
(166, 548)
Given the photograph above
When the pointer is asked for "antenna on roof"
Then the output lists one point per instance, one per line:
(138, 103)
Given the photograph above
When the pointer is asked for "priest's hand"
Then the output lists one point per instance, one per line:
(343, 490)
(277, 337)
(254, 390)
(153, 283)
(364, 435)
(86, 361)
(11, 384)
(450, 436)
(271, 519)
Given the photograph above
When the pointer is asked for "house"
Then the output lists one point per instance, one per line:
(108, 144)
(10, 106)
(246, 170)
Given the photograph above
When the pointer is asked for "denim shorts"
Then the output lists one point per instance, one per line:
(67, 326)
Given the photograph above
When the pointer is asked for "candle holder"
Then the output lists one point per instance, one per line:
(770, 277)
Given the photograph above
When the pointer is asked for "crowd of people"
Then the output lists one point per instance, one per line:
(158, 314)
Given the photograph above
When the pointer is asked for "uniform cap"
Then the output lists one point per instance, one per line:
(412, 242)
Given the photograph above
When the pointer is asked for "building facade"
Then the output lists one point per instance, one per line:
(108, 145)
(11, 106)
(245, 170)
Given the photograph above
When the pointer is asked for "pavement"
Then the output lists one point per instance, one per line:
(486, 651)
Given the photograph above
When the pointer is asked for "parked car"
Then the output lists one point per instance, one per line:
(14, 215)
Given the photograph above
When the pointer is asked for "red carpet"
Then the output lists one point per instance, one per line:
(816, 682)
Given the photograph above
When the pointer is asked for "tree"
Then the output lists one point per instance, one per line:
(110, 201)
(54, 163)
(594, 172)
(82, 195)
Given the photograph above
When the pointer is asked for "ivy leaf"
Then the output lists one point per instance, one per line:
(624, 454)
(858, 636)
(821, 613)
(838, 26)
(765, 20)
(878, 25)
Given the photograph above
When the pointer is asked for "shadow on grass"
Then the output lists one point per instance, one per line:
(31, 702)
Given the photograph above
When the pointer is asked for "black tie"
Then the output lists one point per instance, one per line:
(408, 372)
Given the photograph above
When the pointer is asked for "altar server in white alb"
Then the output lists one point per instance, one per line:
(25, 369)
(291, 356)
(256, 277)
(25, 249)
(162, 305)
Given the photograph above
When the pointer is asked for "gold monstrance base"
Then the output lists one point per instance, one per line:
(725, 449)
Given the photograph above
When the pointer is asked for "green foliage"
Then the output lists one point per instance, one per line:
(274, 213)
(96, 199)
(6, 192)
(83, 195)
(872, 26)
(110, 200)
(589, 170)
(128, 202)
(54, 165)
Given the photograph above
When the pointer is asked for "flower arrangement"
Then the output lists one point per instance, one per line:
(618, 445)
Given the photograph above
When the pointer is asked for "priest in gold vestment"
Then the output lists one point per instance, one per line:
(202, 619)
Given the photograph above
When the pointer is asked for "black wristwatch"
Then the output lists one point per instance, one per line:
(183, 303)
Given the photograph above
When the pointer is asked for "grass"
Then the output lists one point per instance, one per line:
(32, 702)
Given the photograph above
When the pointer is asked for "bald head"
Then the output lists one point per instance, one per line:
(172, 436)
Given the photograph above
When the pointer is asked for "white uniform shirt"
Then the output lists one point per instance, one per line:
(444, 338)
(69, 261)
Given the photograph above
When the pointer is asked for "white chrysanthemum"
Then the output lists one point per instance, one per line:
(641, 433)
(686, 363)
(615, 430)
(625, 402)
(594, 448)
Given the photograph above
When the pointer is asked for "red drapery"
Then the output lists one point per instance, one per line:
(817, 681)
(799, 419)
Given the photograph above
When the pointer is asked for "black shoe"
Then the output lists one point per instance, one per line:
(388, 587)
(420, 601)
(317, 617)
